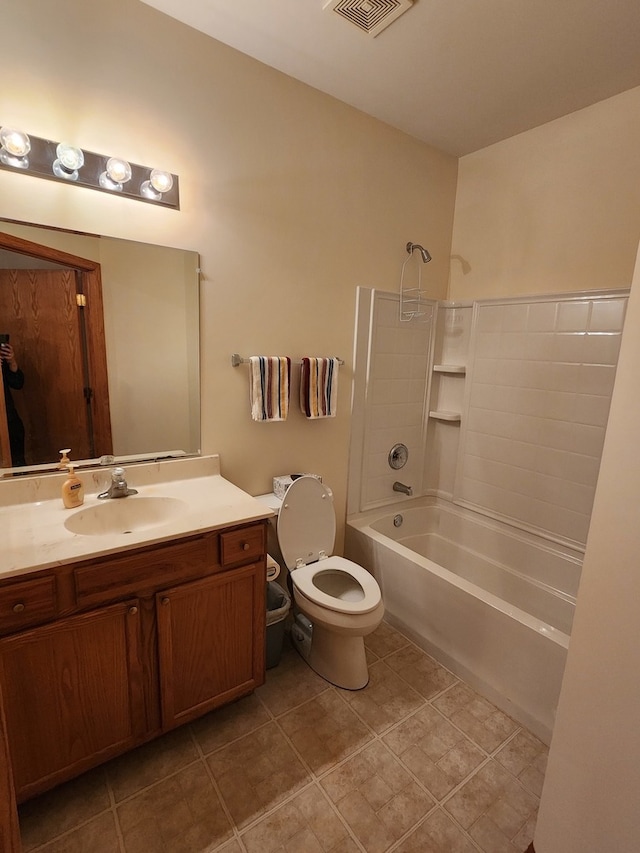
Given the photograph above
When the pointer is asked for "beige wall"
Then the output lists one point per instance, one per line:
(592, 787)
(292, 198)
(551, 210)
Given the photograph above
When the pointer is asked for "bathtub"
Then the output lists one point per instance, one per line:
(490, 602)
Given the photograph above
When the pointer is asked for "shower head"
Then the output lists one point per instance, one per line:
(426, 257)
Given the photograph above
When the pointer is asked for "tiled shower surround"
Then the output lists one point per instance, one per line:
(502, 403)
(541, 378)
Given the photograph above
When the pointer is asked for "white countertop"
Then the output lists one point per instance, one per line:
(33, 535)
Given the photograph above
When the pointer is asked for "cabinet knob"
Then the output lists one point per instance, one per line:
(133, 610)
(245, 546)
(164, 600)
(18, 608)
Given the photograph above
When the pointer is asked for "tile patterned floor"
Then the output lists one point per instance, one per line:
(417, 762)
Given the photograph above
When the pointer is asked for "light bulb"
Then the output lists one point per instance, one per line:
(117, 173)
(69, 160)
(159, 182)
(118, 170)
(14, 147)
(14, 142)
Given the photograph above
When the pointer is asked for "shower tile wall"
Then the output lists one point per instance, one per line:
(538, 396)
(534, 405)
(397, 380)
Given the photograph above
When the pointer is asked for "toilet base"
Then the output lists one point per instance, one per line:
(339, 659)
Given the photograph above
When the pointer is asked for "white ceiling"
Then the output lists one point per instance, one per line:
(458, 74)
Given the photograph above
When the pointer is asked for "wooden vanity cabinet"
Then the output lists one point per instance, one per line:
(72, 695)
(126, 647)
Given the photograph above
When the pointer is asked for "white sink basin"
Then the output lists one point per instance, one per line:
(124, 515)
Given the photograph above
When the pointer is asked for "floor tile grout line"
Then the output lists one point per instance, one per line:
(77, 826)
(156, 782)
(114, 809)
(111, 808)
(424, 819)
(520, 828)
(218, 792)
(312, 783)
(342, 819)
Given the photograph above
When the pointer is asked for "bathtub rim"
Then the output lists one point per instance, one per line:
(361, 522)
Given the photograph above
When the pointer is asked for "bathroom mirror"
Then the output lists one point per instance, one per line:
(148, 297)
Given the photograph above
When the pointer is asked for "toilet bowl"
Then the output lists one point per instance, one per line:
(337, 602)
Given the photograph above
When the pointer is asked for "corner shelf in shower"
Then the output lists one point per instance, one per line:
(459, 369)
(450, 417)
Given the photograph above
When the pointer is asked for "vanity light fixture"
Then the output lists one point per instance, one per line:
(60, 161)
(14, 148)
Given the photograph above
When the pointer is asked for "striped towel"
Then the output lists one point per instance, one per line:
(319, 387)
(269, 377)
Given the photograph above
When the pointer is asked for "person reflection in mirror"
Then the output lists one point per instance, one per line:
(12, 380)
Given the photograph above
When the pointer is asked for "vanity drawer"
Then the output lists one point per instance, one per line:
(142, 572)
(27, 603)
(245, 545)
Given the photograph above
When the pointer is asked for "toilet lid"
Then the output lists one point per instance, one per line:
(360, 591)
(306, 522)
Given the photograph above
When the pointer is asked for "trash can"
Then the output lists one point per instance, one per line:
(278, 604)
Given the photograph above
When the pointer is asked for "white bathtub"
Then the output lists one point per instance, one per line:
(490, 602)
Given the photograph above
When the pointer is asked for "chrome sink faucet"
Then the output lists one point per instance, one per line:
(400, 487)
(118, 487)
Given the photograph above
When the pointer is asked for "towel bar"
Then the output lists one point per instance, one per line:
(237, 360)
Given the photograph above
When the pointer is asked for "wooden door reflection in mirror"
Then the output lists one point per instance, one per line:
(55, 319)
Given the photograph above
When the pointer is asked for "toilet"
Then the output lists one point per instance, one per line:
(337, 602)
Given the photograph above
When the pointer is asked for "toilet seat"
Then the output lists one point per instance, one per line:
(305, 581)
(306, 522)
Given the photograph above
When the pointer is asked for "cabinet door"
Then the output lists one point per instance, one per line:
(211, 636)
(9, 827)
(73, 695)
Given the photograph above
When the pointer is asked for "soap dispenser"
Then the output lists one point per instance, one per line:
(72, 490)
(64, 458)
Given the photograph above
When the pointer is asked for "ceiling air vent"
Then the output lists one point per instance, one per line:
(371, 16)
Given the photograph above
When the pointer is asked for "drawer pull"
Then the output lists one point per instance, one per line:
(133, 610)
(164, 601)
(245, 546)
(19, 607)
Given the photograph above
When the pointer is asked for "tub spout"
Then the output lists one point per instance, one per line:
(400, 487)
